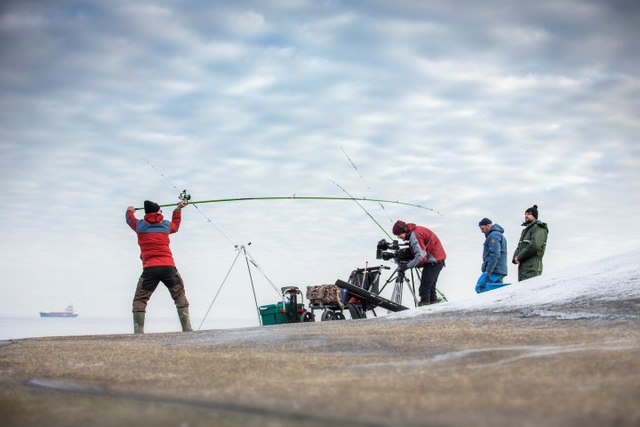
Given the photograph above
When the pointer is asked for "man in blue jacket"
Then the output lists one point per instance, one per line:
(494, 257)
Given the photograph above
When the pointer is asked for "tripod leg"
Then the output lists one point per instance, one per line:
(391, 278)
(412, 288)
(219, 289)
(255, 298)
(396, 296)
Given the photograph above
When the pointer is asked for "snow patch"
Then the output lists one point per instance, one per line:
(616, 278)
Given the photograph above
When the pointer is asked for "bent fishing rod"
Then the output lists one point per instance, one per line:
(184, 196)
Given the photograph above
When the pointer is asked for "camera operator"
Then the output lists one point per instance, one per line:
(427, 252)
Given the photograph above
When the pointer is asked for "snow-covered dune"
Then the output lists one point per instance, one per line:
(610, 280)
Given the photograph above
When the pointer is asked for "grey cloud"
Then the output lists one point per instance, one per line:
(474, 112)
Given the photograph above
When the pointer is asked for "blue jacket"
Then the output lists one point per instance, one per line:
(494, 254)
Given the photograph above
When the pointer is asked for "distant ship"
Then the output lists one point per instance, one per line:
(67, 313)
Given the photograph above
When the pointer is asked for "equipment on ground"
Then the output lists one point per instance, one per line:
(359, 295)
(367, 300)
(289, 310)
(400, 279)
(328, 299)
(398, 252)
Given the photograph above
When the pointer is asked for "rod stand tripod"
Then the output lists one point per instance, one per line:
(401, 280)
(249, 261)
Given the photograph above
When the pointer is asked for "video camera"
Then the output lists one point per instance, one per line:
(393, 251)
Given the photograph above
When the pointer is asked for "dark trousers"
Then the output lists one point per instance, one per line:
(430, 273)
(149, 280)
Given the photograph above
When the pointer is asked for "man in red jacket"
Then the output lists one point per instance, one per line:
(427, 252)
(157, 262)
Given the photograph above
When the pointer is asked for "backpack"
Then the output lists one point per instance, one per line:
(324, 294)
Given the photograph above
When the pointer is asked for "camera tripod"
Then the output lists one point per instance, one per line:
(400, 280)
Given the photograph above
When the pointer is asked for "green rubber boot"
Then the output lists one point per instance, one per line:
(138, 322)
(185, 319)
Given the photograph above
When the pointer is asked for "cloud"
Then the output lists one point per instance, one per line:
(471, 112)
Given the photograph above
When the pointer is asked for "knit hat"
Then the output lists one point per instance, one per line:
(399, 227)
(533, 211)
(150, 207)
(485, 221)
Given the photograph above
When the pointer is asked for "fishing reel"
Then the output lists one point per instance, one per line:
(184, 196)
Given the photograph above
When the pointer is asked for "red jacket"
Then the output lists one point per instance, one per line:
(425, 246)
(153, 236)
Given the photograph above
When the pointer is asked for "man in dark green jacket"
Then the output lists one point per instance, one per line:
(533, 241)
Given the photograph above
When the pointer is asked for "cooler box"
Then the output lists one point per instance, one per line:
(275, 314)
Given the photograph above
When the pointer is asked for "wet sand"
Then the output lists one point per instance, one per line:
(481, 369)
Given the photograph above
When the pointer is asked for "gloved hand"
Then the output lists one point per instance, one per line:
(402, 268)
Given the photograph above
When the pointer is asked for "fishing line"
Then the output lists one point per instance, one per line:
(255, 264)
(362, 207)
(366, 183)
(188, 197)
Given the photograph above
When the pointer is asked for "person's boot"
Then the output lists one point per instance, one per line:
(185, 319)
(434, 298)
(138, 322)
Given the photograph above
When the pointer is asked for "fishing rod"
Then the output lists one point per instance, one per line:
(186, 197)
(294, 197)
(385, 211)
(362, 207)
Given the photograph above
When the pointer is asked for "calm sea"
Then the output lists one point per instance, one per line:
(33, 326)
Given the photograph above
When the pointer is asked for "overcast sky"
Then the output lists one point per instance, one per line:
(471, 111)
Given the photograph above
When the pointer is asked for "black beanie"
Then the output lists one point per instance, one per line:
(399, 227)
(484, 221)
(150, 207)
(533, 211)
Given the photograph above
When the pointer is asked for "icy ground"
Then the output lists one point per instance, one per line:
(608, 288)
